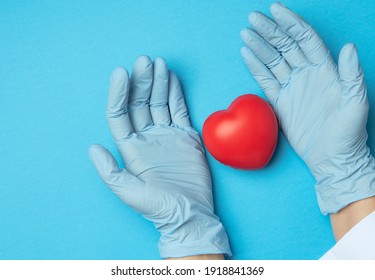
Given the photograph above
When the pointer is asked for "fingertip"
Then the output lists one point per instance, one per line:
(349, 47)
(103, 160)
(243, 31)
(348, 63)
(253, 18)
(119, 74)
(94, 149)
(143, 71)
(243, 50)
(245, 34)
(160, 68)
(160, 61)
(348, 53)
(143, 61)
(276, 7)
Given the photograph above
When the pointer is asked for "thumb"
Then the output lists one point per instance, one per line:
(124, 184)
(351, 75)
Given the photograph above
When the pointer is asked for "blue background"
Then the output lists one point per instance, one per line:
(55, 61)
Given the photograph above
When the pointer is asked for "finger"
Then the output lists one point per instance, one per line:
(309, 41)
(177, 106)
(117, 105)
(351, 74)
(267, 54)
(271, 32)
(159, 94)
(140, 90)
(124, 184)
(261, 74)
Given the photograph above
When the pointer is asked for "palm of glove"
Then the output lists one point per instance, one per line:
(321, 121)
(170, 168)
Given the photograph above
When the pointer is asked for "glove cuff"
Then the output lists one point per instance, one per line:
(342, 186)
(200, 235)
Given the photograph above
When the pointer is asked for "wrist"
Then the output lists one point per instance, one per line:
(351, 215)
(199, 235)
(341, 183)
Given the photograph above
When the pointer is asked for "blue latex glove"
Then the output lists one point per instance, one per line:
(166, 177)
(322, 108)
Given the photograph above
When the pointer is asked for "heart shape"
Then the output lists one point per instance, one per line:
(245, 135)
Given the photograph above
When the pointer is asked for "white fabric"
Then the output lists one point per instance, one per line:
(357, 244)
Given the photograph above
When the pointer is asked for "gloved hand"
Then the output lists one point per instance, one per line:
(322, 108)
(166, 177)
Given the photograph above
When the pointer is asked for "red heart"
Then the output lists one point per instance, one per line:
(245, 135)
